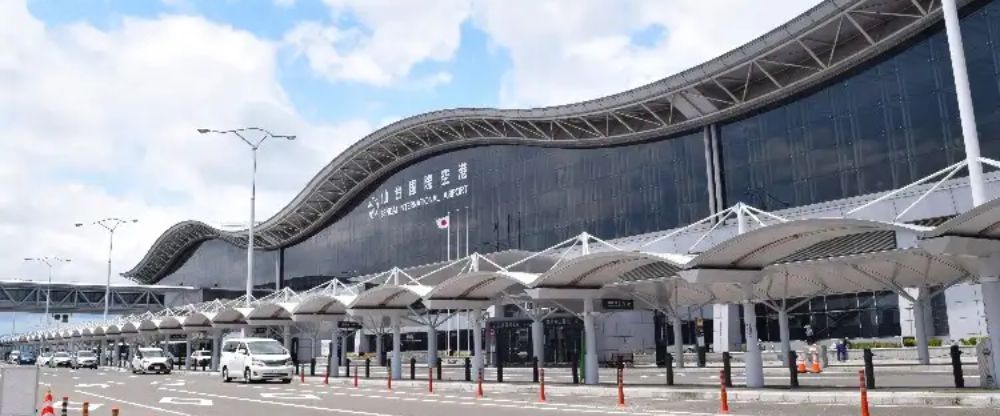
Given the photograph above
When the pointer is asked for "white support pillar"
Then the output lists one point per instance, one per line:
(991, 305)
(966, 114)
(678, 339)
(187, 357)
(920, 325)
(343, 348)
(477, 341)
(432, 345)
(397, 356)
(333, 366)
(286, 337)
(216, 349)
(590, 342)
(753, 360)
(538, 339)
(784, 334)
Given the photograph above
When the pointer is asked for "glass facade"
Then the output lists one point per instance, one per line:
(878, 128)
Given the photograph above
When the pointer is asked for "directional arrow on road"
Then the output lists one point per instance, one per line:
(193, 401)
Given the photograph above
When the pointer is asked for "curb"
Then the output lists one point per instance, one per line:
(978, 399)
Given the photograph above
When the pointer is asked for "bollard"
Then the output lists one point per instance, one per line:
(355, 375)
(534, 369)
(479, 390)
(114, 411)
(727, 368)
(669, 364)
(723, 396)
(86, 408)
(347, 367)
(541, 385)
(413, 368)
(368, 368)
(869, 369)
(468, 369)
(326, 378)
(312, 366)
(65, 406)
(701, 356)
(499, 371)
(388, 380)
(956, 366)
(862, 381)
(576, 373)
(430, 380)
(793, 372)
(439, 365)
(302, 376)
(621, 384)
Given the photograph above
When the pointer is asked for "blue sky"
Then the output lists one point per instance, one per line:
(101, 98)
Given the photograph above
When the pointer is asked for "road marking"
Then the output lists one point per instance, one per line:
(194, 401)
(85, 386)
(289, 396)
(286, 404)
(112, 399)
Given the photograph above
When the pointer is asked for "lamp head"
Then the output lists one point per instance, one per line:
(203, 131)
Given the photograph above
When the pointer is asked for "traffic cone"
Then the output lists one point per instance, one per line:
(47, 409)
(801, 367)
(815, 365)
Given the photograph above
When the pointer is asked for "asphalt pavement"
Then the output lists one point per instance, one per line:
(197, 394)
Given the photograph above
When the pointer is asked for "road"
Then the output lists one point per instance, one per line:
(204, 394)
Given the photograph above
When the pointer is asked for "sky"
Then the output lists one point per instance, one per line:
(100, 99)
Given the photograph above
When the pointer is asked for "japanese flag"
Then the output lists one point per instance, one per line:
(444, 222)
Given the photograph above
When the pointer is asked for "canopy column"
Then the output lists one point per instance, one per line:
(343, 348)
(432, 345)
(538, 339)
(590, 342)
(379, 348)
(991, 305)
(333, 367)
(286, 337)
(189, 364)
(397, 365)
(752, 359)
(783, 333)
(216, 348)
(678, 339)
(477, 340)
(920, 321)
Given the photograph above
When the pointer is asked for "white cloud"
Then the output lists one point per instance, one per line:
(378, 42)
(100, 123)
(572, 50)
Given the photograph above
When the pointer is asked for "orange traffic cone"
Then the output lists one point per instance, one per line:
(815, 365)
(801, 366)
(47, 408)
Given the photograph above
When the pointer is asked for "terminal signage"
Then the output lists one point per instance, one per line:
(415, 193)
(618, 304)
(348, 325)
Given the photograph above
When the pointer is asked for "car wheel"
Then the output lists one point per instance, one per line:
(246, 376)
(286, 381)
(225, 375)
(167, 372)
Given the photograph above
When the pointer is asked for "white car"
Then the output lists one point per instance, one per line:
(44, 359)
(255, 359)
(200, 358)
(14, 357)
(61, 359)
(85, 359)
(150, 360)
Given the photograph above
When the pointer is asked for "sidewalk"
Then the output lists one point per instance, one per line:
(973, 398)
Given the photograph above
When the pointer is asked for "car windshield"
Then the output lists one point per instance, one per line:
(266, 347)
(62, 354)
(84, 354)
(152, 353)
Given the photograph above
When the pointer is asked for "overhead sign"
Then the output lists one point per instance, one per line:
(348, 325)
(618, 304)
(419, 192)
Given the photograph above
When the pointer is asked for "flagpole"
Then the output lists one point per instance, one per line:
(458, 236)
(466, 231)
(448, 231)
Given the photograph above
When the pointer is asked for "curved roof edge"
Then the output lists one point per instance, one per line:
(823, 42)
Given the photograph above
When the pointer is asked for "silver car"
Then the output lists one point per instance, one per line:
(85, 359)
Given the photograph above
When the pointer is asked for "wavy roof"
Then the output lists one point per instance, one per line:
(812, 48)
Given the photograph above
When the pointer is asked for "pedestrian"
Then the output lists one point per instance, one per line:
(810, 336)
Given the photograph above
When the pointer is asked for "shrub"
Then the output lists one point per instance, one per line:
(909, 342)
(934, 342)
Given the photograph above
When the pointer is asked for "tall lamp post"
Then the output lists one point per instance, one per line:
(49, 262)
(110, 224)
(254, 144)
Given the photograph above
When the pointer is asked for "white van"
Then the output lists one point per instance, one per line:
(255, 359)
(150, 360)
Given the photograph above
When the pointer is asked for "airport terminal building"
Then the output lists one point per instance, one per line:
(845, 102)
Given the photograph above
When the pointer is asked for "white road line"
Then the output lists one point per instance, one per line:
(295, 405)
(112, 399)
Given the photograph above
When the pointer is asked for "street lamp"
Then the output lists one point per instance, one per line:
(110, 224)
(48, 261)
(254, 145)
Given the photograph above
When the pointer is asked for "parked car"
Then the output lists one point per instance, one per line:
(85, 359)
(14, 357)
(201, 358)
(44, 359)
(150, 360)
(255, 359)
(26, 358)
(61, 359)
